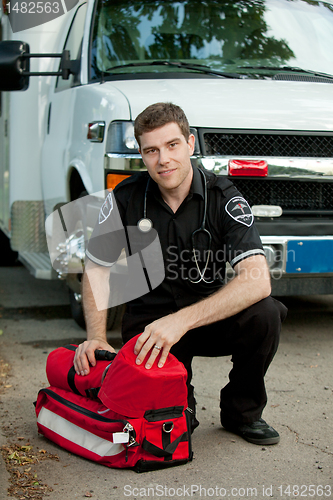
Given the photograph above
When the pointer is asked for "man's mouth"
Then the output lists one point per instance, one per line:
(166, 172)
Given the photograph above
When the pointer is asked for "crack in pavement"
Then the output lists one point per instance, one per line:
(311, 445)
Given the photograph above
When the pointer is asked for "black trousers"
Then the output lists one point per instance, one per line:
(251, 337)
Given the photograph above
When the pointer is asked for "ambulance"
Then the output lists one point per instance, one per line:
(255, 79)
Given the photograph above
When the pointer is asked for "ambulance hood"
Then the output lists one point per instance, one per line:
(239, 104)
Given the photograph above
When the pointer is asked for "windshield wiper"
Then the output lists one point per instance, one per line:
(177, 64)
(293, 69)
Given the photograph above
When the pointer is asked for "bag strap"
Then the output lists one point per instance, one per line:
(165, 452)
(71, 380)
(91, 393)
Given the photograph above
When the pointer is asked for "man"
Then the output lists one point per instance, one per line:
(192, 312)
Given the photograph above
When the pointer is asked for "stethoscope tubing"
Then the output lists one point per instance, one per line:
(202, 229)
(145, 225)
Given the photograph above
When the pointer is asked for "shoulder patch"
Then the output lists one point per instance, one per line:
(106, 209)
(239, 210)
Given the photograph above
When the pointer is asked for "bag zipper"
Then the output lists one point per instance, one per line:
(80, 409)
(188, 413)
(164, 413)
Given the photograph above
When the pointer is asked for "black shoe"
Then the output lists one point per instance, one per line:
(258, 432)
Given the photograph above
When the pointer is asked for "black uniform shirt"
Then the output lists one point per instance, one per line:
(229, 221)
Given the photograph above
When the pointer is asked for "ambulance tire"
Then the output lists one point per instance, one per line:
(77, 309)
(75, 298)
(8, 256)
(114, 316)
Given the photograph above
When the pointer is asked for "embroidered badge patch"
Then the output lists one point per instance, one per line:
(239, 210)
(106, 209)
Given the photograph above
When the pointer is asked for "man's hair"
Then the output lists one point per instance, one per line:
(160, 114)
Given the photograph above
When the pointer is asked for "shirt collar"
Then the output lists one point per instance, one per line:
(197, 186)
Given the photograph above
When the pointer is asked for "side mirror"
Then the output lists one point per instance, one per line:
(13, 64)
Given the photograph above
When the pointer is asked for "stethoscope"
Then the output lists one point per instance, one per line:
(145, 225)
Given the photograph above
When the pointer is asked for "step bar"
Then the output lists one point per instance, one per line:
(38, 264)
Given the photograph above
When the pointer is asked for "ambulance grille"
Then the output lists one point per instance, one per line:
(291, 195)
(227, 143)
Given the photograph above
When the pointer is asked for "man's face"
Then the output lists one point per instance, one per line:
(166, 155)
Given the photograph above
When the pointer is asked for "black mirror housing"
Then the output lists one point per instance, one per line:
(13, 64)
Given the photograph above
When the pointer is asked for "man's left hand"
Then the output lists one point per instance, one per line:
(158, 338)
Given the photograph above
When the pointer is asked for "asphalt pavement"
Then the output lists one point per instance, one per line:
(35, 319)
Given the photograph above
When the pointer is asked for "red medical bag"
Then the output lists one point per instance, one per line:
(137, 419)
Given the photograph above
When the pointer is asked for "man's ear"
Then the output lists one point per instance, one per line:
(141, 156)
(191, 143)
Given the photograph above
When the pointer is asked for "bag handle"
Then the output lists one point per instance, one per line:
(104, 355)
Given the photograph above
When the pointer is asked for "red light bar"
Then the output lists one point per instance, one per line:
(254, 168)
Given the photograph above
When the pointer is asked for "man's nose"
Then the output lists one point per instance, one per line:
(164, 156)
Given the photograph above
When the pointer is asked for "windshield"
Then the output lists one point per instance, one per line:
(240, 37)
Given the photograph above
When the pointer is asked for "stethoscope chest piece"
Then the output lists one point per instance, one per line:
(145, 225)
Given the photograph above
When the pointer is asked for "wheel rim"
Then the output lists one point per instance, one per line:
(77, 297)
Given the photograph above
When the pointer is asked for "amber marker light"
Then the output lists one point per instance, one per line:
(113, 179)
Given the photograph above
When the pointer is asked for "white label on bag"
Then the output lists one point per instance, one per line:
(120, 437)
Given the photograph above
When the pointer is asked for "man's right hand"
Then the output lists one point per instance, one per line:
(85, 354)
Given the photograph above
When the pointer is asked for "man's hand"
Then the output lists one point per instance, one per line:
(251, 284)
(85, 354)
(158, 337)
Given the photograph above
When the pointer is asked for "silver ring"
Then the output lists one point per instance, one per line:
(156, 347)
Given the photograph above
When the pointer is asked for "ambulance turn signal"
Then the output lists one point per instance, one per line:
(112, 180)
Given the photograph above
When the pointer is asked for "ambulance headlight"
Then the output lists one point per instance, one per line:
(120, 138)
